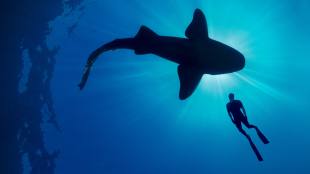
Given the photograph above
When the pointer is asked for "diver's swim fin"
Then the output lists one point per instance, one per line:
(262, 137)
(258, 155)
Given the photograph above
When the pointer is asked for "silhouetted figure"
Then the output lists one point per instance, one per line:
(196, 55)
(238, 115)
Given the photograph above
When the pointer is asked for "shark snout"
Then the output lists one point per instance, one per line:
(239, 61)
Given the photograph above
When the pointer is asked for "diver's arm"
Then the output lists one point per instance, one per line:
(229, 113)
(243, 110)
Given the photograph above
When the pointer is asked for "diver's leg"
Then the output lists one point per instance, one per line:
(238, 124)
(259, 133)
(247, 124)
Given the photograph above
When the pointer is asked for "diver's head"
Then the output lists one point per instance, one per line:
(231, 96)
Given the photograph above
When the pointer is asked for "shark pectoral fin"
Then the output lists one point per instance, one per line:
(198, 28)
(189, 79)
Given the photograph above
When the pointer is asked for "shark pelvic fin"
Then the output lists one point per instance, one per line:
(198, 28)
(144, 35)
(189, 79)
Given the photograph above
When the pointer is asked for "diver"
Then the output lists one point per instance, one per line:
(238, 116)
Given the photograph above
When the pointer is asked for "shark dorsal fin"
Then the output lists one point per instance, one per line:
(189, 79)
(198, 28)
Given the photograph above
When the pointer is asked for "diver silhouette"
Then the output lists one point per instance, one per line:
(238, 115)
(197, 54)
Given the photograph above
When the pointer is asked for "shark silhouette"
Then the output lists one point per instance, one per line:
(196, 55)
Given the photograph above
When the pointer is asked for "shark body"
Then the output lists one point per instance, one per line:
(197, 54)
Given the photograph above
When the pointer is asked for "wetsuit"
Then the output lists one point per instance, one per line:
(234, 107)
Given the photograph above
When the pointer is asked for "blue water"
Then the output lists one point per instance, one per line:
(129, 118)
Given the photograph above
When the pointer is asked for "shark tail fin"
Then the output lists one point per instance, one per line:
(145, 33)
(85, 77)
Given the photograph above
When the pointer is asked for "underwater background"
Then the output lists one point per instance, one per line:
(128, 119)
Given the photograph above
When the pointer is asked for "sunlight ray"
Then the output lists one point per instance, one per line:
(262, 87)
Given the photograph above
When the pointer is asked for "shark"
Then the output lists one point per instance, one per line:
(196, 54)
